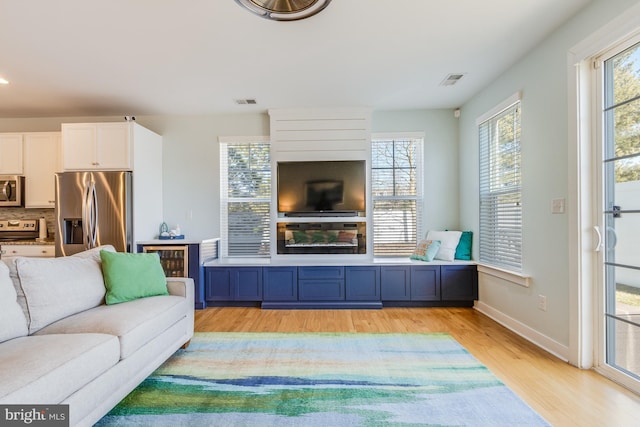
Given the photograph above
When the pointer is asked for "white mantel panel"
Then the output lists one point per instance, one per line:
(321, 134)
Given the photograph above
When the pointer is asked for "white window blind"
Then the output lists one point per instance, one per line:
(500, 237)
(396, 187)
(245, 197)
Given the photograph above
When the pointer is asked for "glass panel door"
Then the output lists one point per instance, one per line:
(621, 210)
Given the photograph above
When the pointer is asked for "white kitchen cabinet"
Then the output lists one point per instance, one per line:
(40, 251)
(41, 162)
(11, 154)
(97, 146)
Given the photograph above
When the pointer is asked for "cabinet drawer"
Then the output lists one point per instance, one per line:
(324, 272)
(321, 290)
(27, 250)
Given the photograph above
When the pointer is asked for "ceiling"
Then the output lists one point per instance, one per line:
(176, 57)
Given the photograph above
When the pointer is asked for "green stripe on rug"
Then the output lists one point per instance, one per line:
(322, 379)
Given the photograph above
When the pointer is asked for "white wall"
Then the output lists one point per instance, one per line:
(441, 188)
(542, 77)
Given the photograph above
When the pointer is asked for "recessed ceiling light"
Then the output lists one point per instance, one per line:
(4, 81)
(284, 10)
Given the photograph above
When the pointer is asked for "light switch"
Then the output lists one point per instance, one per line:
(557, 206)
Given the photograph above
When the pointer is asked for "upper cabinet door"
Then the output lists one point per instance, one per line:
(113, 145)
(41, 162)
(78, 146)
(11, 162)
(96, 146)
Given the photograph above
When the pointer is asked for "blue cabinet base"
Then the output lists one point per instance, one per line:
(342, 287)
(302, 305)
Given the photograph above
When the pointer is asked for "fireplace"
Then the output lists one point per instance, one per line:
(321, 238)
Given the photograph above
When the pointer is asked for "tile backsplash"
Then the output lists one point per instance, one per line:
(23, 213)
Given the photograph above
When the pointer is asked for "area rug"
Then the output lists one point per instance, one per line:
(322, 379)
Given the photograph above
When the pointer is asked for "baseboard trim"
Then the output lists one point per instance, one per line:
(526, 332)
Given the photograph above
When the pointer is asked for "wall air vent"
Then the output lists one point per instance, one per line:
(451, 79)
(247, 101)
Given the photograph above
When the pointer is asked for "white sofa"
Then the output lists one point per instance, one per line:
(61, 344)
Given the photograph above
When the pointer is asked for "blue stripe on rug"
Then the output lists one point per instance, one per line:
(322, 379)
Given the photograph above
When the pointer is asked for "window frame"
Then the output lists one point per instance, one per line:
(505, 257)
(226, 200)
(417, 198)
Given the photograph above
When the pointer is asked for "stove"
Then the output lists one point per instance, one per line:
(19, 229)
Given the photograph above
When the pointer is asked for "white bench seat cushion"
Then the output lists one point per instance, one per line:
(134, 322)
(47, 369)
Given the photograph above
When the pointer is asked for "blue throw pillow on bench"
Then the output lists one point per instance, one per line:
(426, 250)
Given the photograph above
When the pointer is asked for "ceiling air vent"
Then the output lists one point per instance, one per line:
(247, 101)
(451, 79)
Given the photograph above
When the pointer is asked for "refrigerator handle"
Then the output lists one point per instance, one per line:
(86, 227)
(89, 215)
(93, 213)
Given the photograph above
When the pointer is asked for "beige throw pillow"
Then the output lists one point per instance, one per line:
(55, 288)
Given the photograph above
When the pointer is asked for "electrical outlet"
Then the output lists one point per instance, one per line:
(542, 302)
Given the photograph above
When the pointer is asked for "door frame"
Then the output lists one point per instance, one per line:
(584, 304)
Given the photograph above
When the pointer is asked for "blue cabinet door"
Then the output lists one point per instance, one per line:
(362, 283)
(280, 283)
(395, 283)
(218, 284)
(425, 283)
(248, 283)
(233, 283)
(459, 282)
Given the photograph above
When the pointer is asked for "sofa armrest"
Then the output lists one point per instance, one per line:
(180, 286)
(184, 287)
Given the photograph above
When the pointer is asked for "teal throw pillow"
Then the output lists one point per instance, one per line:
(130, 276)
(426, 250)
(463, 250)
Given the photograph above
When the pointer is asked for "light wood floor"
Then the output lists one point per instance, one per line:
(562, 394)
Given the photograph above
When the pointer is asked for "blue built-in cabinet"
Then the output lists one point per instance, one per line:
(233, 284)
(356, 286)
(280, 283)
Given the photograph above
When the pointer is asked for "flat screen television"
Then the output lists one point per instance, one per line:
(329, 188)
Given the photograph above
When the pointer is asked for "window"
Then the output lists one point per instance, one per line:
(396, 185)
(245, 196)
(500, 187)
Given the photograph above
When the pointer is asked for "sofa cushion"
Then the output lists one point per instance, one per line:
(134, 322)
(13, 273)
(130, 276)
(12, 321)
(55, 288)
(47, 369)
(94, 253)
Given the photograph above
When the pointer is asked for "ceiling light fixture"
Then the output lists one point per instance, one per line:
(3, 81)
(284, 10)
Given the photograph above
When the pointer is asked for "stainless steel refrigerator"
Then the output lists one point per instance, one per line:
(93, 209)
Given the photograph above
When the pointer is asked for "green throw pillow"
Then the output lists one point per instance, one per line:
(130, 276)
(463, 250)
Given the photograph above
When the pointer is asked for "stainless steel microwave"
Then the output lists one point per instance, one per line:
(11, 190)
